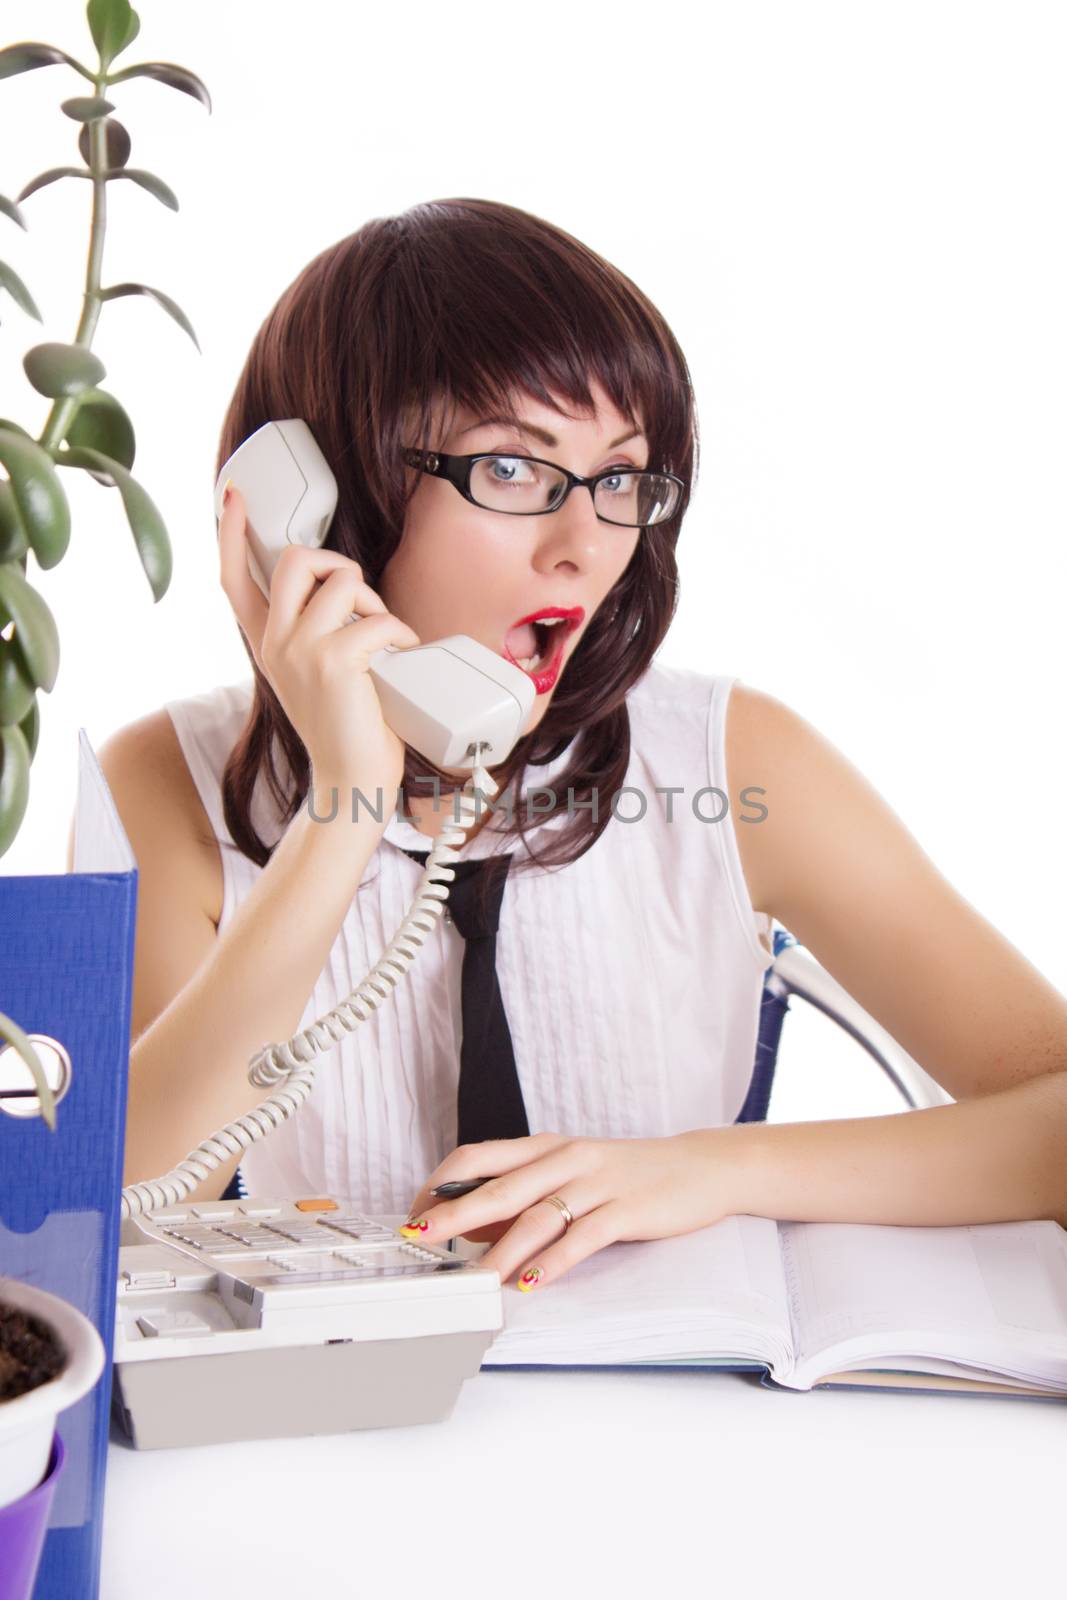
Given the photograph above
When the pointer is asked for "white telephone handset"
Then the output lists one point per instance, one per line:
(454, 700)
(442, 697)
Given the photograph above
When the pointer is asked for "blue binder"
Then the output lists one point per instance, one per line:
(66, 970)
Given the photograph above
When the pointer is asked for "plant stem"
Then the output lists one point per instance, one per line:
(62, 412)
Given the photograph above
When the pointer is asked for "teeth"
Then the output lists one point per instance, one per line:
(531, 663)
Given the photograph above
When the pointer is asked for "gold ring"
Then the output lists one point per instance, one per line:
(554, 1200)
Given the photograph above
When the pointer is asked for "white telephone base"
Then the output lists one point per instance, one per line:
(266, 1319)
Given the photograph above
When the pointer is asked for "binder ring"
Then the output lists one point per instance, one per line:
(18, 1093)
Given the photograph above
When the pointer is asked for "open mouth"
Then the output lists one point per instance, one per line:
(536, 644)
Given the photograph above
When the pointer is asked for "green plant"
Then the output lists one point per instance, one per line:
(86, 429)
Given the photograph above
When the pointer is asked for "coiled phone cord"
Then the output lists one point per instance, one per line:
(291, 1064)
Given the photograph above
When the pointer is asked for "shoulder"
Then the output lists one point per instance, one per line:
(668, 704)
(669, 709)
(816, 804)
(211, 721)
(161, 810)
(756, 723)
(767, 739)
(660, 686)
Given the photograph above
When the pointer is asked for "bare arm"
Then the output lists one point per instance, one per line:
(839, 869)
(204, 1002)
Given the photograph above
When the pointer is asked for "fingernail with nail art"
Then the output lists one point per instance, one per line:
(411, 1230)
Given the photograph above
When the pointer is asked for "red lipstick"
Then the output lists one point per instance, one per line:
(544, 679)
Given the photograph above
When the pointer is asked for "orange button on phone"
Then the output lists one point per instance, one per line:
(316, 1205)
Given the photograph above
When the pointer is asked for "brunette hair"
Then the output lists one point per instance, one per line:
(469, 302)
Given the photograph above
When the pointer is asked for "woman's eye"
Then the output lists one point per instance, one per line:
(507, 468)
(617, 479)
(509, 456)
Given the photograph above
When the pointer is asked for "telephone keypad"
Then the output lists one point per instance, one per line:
(254, 1293)
(302, 1248)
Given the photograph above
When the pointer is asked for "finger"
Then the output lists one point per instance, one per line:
(339, 594)
(585, 1236)
(240, 588)
(506, 1196)
(489, 1234)
(542, 1225)
(296, 576)
(482, 1160)
(366, 634)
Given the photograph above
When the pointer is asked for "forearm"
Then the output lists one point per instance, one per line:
(998, 1158)
(188, 1070)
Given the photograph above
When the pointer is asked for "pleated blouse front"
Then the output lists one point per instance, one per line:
(631, 978)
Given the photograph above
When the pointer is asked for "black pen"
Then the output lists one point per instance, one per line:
(452, 1191)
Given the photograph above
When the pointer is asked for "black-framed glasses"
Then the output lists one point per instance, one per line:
(523, 486)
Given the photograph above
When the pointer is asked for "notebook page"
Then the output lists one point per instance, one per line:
(719, 1291)
(987, 1297)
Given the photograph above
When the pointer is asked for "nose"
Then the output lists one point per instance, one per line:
(573, 536)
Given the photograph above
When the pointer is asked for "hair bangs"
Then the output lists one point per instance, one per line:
(500, 324)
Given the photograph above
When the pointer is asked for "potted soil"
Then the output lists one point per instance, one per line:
(50, 1356)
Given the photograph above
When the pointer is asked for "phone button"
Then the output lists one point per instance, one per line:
(316, 1205)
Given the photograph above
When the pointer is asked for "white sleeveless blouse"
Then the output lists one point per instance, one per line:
(631, 978)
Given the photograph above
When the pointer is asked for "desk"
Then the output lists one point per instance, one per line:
(614, 1485)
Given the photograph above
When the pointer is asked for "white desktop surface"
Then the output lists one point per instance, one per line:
(610, 1485)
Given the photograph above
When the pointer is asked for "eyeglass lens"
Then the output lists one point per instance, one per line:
(515, 484)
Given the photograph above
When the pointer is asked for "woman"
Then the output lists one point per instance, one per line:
(633, 937)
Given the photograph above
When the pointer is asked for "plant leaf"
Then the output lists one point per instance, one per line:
(42, 505)
(31, 727)
(10, 209)
(169, 305)
(62, 369)
(14, 784)
(10, 280)
(166, 72)
(113, 25)
(51, 176)
(24, 1045)
(34, 624)
(13, 542)
(86, 108)
(24, 57)
(100, 423)
(149, 181)
(17, 693)
(117, 146)
(13, 427)
(149, 531)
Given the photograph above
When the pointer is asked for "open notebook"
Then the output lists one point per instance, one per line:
(976, 1309)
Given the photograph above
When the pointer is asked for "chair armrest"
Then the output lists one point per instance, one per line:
(795, 972)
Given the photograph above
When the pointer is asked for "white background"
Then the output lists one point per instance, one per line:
(852, 217)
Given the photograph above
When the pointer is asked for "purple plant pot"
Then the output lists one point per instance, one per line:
(23, 1525)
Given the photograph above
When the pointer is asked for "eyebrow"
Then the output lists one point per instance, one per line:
(539, 433)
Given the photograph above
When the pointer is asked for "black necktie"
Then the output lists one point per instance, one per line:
(489, 1104)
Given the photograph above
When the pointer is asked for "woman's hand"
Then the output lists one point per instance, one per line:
(614, 1189)
(316, 665)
